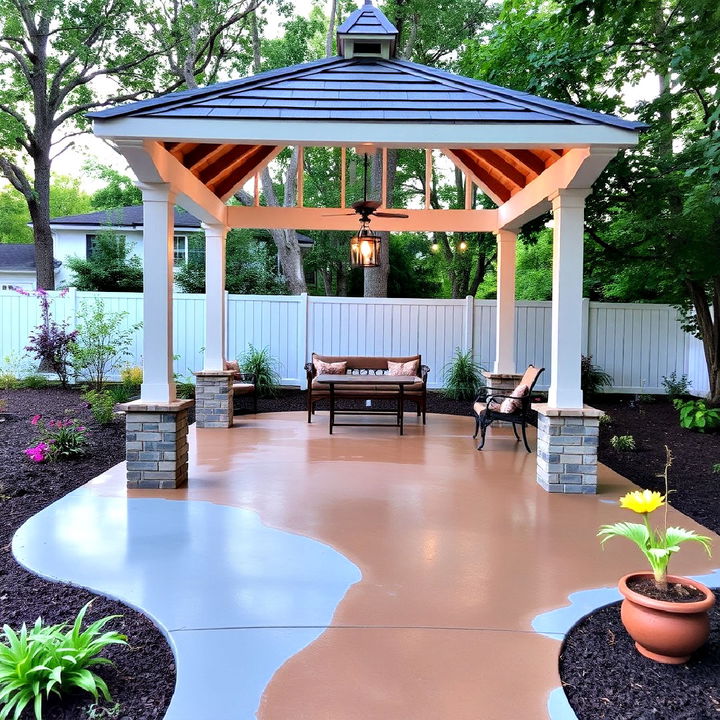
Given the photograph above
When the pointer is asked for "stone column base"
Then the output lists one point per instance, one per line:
(156, 443)
(567, 443)
(501, 382)
(214, 398)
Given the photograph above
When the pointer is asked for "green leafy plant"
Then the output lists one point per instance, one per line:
(52, 659)
(96, 711)
(184, 387)
(716, 468)
(33, 382)
(605, 419)
(263, 365)
(657, 545)
(697, 415)
(463, 376)
(102, 405)
(624, 443)
(8, 381)
(59, 439)
(676, 386)
(592, 377)
(102, 342)
(119, 393)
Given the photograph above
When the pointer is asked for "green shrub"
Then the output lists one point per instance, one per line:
(33, 382)
(52, 659)
(676, 386)
(592, 377)
(120, 393)
(716, 468)
(102, 405)
(697, 415)
(185, 388)
(623, 443)
(101, 344)
(463, 377)
(262, 364)
(8, 381)
(605, 419)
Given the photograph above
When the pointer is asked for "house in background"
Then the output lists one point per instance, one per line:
(75, 236)
(17, 266)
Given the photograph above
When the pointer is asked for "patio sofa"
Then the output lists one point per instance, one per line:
(359, 365)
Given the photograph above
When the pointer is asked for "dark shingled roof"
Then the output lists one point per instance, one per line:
(131, 216)
(367, 20)
(19, 256)
(363, 89)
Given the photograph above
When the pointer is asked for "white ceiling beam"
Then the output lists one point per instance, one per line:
(305, 218)
(578, 168)
(399, 134)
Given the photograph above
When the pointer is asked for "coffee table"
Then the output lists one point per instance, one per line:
(357, 381)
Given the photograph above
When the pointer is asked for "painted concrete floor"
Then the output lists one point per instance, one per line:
(358, 576)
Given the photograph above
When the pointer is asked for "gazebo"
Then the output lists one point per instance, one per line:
(196, 148)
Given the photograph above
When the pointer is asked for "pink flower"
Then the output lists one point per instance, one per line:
(37, 453)
(82, 428)
(63, 292)
(35, 419)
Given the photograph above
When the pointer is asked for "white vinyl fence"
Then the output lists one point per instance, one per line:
(637, 344)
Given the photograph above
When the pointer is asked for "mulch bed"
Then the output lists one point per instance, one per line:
(604, 677)
(142, 679)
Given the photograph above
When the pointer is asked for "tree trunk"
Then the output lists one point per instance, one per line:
(709, 334)
(327, 280)
(342, 275)
(331, 29)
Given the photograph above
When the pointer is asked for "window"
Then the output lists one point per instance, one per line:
(91, 243)
(180, 250)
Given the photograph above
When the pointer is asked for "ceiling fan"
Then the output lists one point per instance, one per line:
(365, 208)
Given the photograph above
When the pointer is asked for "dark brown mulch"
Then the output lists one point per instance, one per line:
(604, 677)
(143, 677)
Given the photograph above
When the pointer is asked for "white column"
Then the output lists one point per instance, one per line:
(215, 296)
(567, 307)
(158, 224)
(505, 328)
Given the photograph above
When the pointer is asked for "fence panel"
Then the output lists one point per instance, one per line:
(637, 344)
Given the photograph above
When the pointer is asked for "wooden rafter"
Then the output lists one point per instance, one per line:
(528, 159)
(506, 169)
(485, 173)
(256, 160)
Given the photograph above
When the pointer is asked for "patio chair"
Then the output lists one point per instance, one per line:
(244, 383)
(513, 408)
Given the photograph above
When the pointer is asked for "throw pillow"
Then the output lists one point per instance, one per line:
(232, 365)
(513, 403)
(398, 368)
(324, 368)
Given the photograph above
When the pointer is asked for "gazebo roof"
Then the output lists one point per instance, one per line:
(363, 89)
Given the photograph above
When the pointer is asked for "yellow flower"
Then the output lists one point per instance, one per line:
(642, 501)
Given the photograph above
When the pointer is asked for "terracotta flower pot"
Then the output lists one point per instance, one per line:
(668, 632)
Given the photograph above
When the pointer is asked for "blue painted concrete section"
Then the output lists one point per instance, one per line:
(236, 598)
(557, 623)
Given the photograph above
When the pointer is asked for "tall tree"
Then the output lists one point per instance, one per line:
(52, 54)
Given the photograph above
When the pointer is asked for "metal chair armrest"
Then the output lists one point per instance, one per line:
(247, 377)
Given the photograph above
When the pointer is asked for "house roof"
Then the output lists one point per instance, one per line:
(363, 89)
(131, 216)
(367, 20)
(19, 257)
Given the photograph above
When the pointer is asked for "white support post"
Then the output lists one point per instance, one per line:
(158, 385)
(567, 306)
(215, 323)
(505, 329)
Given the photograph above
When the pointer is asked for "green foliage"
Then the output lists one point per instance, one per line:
(66, 439)
(102, 405)
(33, 382)
(250, 266)
(676, 386)
(97, 711)
(102, 343)
(52, 659)
(697, 415)
(411, 268)
(185, 388)
(112, 266)
(592, 377)
(119, 190)
(716, 468)
(263, 365)
(623, 443)
(605, 419)
(463, 376)
(14, 217)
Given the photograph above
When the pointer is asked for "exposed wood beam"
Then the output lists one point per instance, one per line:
(216, 162)
(485, 172)
(343, 176)
(301, 176)
(332, 219)
(192, 155)
(528, 159)
(230, 167)
(508, 171)
(263, 159)
(428, 177)
(470, 172)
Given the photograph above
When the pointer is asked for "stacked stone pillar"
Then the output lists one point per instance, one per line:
(214, 398)
(567, 443)
(501, 383)
(156, 443)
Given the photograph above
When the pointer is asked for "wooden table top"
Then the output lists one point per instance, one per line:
(368, 379)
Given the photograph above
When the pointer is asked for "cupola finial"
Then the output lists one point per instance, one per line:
(367, 33)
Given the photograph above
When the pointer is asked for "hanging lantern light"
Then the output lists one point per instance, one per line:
(365, 248)
(434, 247)
(462, 246)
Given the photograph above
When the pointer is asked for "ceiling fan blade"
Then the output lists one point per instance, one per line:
(390, 215)
(337, 214)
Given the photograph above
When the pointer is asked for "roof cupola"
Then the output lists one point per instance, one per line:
(367, 33)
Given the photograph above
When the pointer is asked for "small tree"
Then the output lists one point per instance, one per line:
(50, 342)
(103, 341)
(112, 266)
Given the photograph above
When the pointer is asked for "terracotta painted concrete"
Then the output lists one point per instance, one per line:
(460, 552)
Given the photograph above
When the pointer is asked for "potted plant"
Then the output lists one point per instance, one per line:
(666, 615)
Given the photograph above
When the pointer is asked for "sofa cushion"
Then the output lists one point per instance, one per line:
(320, 388)
(358, 362)
(329, 368)
(241, 388)
(403, 368)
